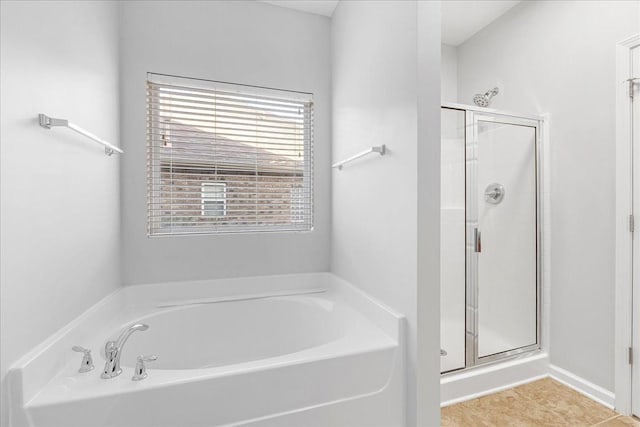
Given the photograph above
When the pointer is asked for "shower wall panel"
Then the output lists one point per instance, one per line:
(452, 239)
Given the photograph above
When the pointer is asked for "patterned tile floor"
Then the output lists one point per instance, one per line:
(541, 403)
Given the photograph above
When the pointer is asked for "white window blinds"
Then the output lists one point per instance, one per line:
(227, 158)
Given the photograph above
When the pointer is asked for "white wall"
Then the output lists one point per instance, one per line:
(240, 42)
(449, 74)
(428, 164)
(375, 200)
(60, 223)
(559, 57)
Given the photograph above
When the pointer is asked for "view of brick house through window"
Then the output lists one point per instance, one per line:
(227, 158)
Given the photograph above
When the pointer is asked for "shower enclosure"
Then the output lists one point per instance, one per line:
(490, 236)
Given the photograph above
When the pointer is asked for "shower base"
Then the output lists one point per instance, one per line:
(490, 378)
(493, 343)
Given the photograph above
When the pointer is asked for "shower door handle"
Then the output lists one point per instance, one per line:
(477, 240)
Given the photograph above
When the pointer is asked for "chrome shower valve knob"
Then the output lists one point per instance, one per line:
(494, 193)
(141, 369)
(87, 361)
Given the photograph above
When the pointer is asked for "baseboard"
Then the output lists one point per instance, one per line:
(589, 389)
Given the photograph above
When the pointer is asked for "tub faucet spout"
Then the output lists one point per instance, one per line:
(113, 351)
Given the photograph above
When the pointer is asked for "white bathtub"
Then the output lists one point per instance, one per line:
(302, 350)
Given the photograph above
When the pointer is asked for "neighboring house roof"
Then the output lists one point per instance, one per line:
(189, 146)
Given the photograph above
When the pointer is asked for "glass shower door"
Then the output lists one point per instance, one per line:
(502, 236)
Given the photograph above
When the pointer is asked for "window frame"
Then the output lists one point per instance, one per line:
(301, 212)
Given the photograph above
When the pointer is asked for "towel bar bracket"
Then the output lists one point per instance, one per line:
(49, 122)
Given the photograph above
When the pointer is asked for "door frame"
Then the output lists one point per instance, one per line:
(472, 116)
(625, 181)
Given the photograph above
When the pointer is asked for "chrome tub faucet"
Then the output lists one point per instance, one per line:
(113, 351)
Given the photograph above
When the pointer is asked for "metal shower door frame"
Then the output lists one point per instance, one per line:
(472, 117)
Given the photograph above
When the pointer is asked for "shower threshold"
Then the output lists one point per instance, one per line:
(491, 377)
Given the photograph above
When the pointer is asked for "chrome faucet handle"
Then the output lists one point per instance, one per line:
(141, 369)
(87, 361)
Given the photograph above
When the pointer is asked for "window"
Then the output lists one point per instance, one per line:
(227, 158)
(214, 199)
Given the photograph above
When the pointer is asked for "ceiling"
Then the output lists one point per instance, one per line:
(319, 7)
(461, 19)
